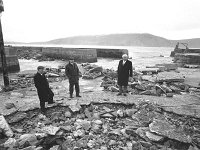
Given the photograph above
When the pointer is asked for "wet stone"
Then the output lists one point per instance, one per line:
(75, 108)
(154, 137)
(107, 115)
(17, 118)
(142, 132)
(162, 127)
(66, 128)
(51, 130)
(130, 112)
(9, 105)
(146, 144)
(68, 114)
(30, 138)
(79, 133)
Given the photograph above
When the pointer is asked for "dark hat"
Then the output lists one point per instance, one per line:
(40, 67)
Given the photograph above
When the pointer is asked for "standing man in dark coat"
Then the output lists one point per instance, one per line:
(124, 72)
(44, 92)
(72, 72)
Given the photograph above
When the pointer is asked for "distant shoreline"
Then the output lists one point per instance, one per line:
(113, 40)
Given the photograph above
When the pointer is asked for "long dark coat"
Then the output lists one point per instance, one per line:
(42, 85)
(124, 72)
(72, 72)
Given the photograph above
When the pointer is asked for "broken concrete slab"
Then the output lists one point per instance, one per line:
(169, 77)
(154, 137)
(164, 128)
(51, 130)
(18, 117)
(148, 70)
(193, 80)
(5, 127)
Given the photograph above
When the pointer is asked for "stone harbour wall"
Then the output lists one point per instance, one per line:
(79, 54)
(111, 53)
(187, 58)
(181, 51)
(11, 59)
(83, 54)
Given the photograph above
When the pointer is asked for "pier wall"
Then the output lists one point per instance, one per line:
(83, 54)
(181, 51)
(111, 53)
(79, 54)
(11, 59)
(187, 56)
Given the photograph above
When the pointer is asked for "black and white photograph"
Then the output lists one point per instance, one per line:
(100, 75)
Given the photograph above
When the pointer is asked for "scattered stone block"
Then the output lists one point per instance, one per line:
(5, 127)
(154, 137)
(9, 105)
(51, 130)
(30, 138)
(162, 127)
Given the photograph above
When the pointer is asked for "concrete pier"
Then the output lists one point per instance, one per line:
(83, 54)
(11, 59)
(111, 53)
(79, 54)
(186, 56)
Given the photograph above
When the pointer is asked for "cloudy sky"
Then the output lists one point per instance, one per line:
(43, 20)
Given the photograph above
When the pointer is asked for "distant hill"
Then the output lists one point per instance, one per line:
(114, 40)
(144, 39)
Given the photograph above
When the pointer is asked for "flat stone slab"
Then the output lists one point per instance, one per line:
(164, 128)
(193, 80)
(165, 77)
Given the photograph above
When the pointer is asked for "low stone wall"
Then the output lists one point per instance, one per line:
(181, 51)
(187, 58)
(190, 56)
(11, 59)
(111, 53)
(25, 48)
(80, 54)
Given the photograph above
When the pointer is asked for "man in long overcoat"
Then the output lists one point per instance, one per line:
(124, 72)
(44, 92)
(72, 72)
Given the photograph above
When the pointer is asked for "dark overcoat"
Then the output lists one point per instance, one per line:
(72, 72)
(42, 85)
(124, 72)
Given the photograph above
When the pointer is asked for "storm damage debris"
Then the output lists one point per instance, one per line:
(24, 79)
(91, 71)
(151, 81)
(103, 126)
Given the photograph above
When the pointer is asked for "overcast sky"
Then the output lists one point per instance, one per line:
(43, 20)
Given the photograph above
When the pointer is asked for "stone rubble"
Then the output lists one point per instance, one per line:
(109, 126)
(147, 82)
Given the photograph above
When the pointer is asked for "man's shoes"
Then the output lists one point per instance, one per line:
(78, 96)
(71, 96)
(125, 94)
(119, 94)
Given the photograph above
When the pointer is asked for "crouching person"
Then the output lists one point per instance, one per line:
(45, 94)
